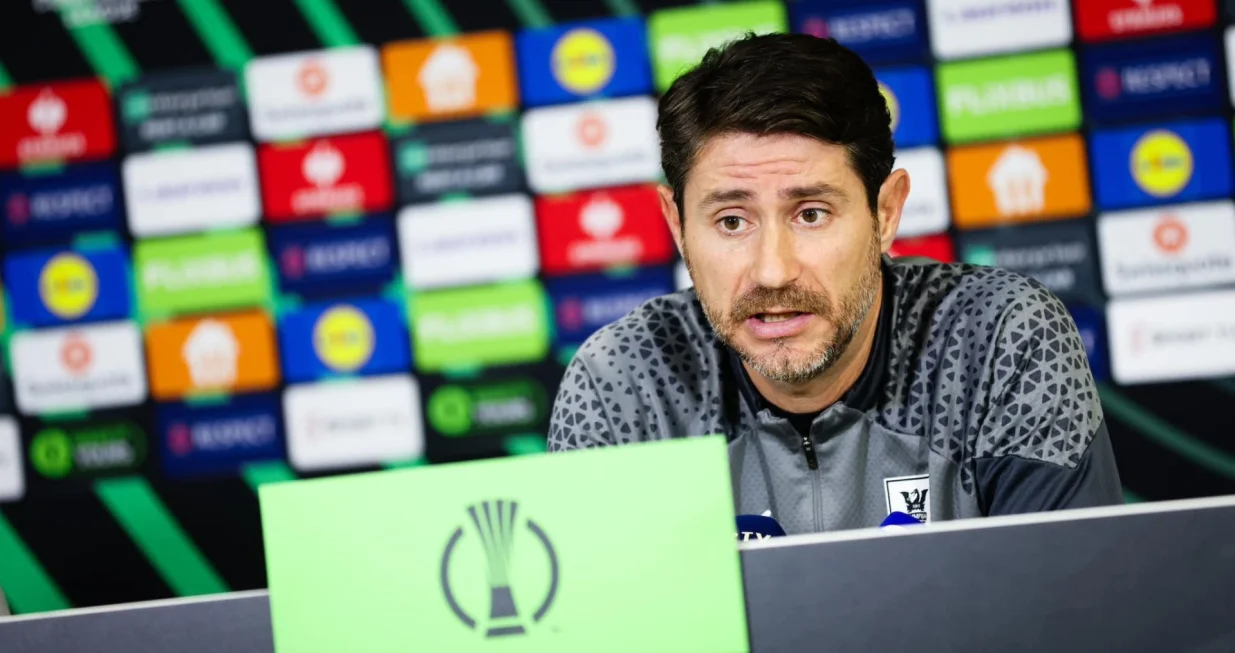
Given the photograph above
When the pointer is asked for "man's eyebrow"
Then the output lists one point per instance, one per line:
(807, 192)
(722, 196)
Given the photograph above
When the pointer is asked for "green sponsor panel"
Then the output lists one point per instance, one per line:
(88, 450)
(486, 325)
(1009, 96)
(512, 554)
(488, 407)
(201, 273)
(980, 255)
(680, 37)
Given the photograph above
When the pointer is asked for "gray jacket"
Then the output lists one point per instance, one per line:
(977, 399)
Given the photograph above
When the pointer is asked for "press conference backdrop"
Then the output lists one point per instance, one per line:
(253, 241)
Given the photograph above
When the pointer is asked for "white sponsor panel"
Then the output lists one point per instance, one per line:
(1167, 248)
(1172, 338)
(12, 476)
(592, 145)
(926, 209)
(174, 192)
(305, 94)
(971, 28)
(78, 368)
(353, 423)
(471, 242)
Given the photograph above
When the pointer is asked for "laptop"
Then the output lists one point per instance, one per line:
(614, 549)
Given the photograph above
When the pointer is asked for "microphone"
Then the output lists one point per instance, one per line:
(898, 520)
(753, 528)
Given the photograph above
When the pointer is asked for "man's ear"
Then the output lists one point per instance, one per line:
(669, 209)
(892, 195)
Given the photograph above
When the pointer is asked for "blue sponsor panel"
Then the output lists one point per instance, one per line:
(1092, 328)
(1167, 163)
(53, 206)
(51, 287)
(354, 337)
(602, 58)
(324, 259)
(1146, 80)
(881, 32)
(910, 94)
(582, 304)
(217, 439)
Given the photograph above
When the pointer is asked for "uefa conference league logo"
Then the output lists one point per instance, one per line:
(500, 539)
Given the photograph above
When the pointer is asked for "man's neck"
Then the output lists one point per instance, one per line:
(826, 389)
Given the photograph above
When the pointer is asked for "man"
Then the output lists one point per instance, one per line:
(849, 385)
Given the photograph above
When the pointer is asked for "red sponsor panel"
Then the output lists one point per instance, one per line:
(64, 122)
(938, 247)
(1102, 20)
(594, 230)
(326, 176)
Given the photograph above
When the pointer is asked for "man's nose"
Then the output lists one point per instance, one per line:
(776, 264)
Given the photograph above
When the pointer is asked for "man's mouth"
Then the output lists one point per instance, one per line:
(778, 324)
(777, 317)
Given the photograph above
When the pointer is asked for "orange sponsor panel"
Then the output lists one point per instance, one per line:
(1019, 181)
(211, 354)
(435, 79)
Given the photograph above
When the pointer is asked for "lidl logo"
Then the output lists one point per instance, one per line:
(592, 145)
(328, 176)
(584, 303)
(681, 36)
(56, 205)
(880, 32)
(201, 273)
(1009, 96)
(910, 95)
(1019, 181)
(1173, 162)
(595, 58)
(65, 122)
(477, 157)
(357, 337)
(1101, 20)
(217, 439)
(227, 353)
(972, 28)
(594, 230)
(438, 79)
(305, 94)
(324, 259)
(1130, 81)
(89, 450)
(200, 107)
(58, 287)
(478, 326)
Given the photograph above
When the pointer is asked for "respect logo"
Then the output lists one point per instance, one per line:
(1009, 96)
(202, 273)
(479, 326)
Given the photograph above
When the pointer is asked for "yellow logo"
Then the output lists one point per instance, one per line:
(894, 107)
(343, 339)
(583, 61)
(1161, 163)
(68, 286)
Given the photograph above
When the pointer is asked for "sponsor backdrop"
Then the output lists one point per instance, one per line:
(246, 242)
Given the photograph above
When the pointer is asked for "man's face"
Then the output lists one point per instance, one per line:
(782, 248)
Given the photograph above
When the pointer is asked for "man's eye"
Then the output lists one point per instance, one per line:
(812, 216)
(731, 223)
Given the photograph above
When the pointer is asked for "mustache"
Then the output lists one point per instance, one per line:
(792, 298)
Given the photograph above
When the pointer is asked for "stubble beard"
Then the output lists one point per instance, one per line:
(783, 364)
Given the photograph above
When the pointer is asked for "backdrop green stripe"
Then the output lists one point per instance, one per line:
(531, 13)
(156, 532)
(259, 474)
(1165, 434)
(328, 22)
(218, 32)
(623, 7)
(26, 584)
(5, 80)
(102, 47)
(434, 19)
(1132, 497)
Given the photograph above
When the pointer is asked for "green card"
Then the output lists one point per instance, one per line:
(500, 324)
(616, 549)
(680, 37)
(1009, 96)
(201, 273)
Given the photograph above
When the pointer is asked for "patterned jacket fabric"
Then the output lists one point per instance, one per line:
(977, 399)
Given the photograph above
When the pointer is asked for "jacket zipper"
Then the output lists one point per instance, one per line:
(808, 448)
(812, 461)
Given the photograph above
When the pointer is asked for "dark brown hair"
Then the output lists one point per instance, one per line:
(778, 84)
